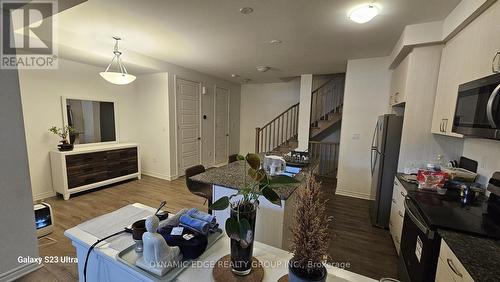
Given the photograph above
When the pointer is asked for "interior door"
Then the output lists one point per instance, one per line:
(188, 124)
(221, 125)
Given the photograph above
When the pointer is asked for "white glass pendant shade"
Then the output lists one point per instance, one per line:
(120, 77)
(117, 77)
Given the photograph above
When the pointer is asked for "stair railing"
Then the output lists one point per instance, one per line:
(326, 154)
(327, 99)
(278, 131)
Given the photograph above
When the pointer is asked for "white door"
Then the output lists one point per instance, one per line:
(188, 124)
(221, 125)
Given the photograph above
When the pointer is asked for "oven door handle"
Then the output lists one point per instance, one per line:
(489, 106)
(428, 233)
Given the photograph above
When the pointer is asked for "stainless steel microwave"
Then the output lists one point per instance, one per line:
(477, 113)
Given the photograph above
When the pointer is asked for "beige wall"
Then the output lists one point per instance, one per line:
(260, 103)
(366, 97)
(145, 114)
(41, 92)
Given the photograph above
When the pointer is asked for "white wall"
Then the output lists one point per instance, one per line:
(366, 97)
(41, 92)
(469, 55)
(16, 204)
(306, 84)
(418, 145)
(153, 119)
(260, 103)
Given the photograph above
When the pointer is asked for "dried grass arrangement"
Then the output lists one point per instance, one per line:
(310, 239)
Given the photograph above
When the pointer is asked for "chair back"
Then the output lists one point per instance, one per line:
(233, 158)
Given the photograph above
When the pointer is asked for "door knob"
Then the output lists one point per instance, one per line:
(199, 138)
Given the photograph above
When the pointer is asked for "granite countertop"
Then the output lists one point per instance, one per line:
(234, 176)
(479, 256)
(409, 186)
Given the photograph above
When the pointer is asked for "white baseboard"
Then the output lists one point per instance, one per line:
(158, 175)
(43, 195)
(19, 272)
(352, 194)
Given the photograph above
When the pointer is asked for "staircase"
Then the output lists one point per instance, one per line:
(279, 136)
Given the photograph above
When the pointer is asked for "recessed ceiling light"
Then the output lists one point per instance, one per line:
(246, 10)
(275, 41)
(263, 68)
(246, 80)
(363, 14)
(233, 75)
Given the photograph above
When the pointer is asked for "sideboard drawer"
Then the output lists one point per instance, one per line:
(88, 158)
(121, 154)
(85, 179)
(122, 171)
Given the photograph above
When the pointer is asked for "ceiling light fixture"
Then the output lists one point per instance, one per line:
(122, 77)
(275, 41)
(246, 10)
(365, 13)
(233, 75)
(263, 68)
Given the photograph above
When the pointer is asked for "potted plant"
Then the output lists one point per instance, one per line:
(310, 238)
(63, 134)
(240, 226)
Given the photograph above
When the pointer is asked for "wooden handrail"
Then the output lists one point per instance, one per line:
(293, 106)
(278, 131)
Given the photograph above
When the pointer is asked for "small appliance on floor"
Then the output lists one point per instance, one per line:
(44, 219)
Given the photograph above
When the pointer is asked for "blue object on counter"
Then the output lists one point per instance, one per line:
(203, 216)
(194, 224)
(190, 249)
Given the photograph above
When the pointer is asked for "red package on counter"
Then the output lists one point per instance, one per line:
(430, 179)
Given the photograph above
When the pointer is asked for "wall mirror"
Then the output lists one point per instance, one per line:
(93, 121)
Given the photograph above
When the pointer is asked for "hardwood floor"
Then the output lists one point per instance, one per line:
(368, 250)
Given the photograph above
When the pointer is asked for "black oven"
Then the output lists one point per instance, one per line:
(419, 247)
(477, 113)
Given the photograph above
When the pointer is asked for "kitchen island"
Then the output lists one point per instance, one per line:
(273, 222)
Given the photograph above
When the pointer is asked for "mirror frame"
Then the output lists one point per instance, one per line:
(65, 117)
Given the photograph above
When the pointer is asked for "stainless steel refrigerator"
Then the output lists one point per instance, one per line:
(384, 164)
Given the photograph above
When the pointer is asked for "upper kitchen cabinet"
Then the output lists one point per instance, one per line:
(398, 82)
(446, 94)
(466, 57)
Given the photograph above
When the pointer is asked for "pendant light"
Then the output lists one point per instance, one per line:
(121, 76)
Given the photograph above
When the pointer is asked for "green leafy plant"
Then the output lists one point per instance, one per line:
(261, 184)
(62, 132)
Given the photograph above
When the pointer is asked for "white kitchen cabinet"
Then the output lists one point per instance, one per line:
(397, 213)
(449, 267)
(446, 98)
(398, 82)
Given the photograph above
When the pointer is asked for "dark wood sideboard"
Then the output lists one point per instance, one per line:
(91, 167)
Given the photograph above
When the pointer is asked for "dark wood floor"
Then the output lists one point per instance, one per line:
(367, 250)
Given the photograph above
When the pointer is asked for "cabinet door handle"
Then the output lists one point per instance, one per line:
(453, 268)
(396, 183)
(445, 124)
(402, 194)
(441, 125)
(400, 214)
(393, 201)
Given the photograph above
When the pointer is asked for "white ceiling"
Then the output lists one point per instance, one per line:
(212, 36)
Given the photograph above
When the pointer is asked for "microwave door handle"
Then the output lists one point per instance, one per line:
(489, 107)
(429, 233)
